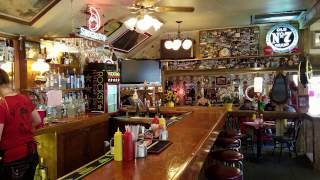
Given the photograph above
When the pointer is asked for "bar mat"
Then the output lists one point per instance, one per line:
(157, 146)
(87, 169)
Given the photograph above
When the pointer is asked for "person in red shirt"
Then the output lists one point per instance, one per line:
(18, 148)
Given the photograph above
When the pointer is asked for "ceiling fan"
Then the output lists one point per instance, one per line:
(150, 6)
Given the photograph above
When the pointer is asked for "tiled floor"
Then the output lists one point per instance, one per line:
(269, 168)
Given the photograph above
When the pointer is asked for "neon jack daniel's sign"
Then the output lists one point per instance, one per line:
(282, 38)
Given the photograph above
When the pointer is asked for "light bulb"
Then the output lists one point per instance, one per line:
(187, 44)
(145, 23)
(168, 44)
(7, 67)
(176, 44)
(131, 23)
(156, 24)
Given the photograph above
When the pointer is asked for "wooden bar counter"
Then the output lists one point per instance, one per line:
(192, 138)
(72, 142)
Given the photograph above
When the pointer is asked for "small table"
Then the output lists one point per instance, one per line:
(258, 126)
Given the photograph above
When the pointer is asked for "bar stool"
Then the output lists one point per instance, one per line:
(229, 157)
(221, 172)
(228, 143)
(230, 134)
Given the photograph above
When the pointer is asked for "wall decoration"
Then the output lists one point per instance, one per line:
(221, 80)
(303, 101)
(233, 63)
(111, 27)
(282, 38)
(315, 40)
(229, 42)
(26, 11)
(32, 49)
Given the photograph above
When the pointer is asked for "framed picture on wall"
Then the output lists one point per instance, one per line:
(32, 49)
(221, 80)
(25, 12)
(303, 101)
(315, 40)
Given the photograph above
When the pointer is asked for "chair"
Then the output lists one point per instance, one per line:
(289, 139)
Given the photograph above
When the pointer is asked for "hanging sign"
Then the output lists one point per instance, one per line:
(94, 24)
(94, 21)
(282, 38)
(92, 35)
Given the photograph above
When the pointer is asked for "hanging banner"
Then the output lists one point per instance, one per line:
(282, 38)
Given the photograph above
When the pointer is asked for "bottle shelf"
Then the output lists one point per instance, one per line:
(228, 71)
(63, 90)
(233, 57)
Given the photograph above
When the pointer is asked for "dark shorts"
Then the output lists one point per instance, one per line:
(23, 169)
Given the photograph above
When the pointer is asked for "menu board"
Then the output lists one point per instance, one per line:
(229, 42)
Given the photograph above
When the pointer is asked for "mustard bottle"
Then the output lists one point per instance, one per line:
(118, 145)
(162, 122)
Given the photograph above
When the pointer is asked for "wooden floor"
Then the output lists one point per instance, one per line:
(286, 169)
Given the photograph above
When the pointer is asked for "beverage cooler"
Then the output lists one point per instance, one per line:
(103, 81)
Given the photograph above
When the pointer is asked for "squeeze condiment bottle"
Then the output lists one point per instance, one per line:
(128, 146)
(118, 146)
(162, 122)
(155, 120)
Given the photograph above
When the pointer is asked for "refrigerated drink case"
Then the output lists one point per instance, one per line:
(104, 84)
(112, 92)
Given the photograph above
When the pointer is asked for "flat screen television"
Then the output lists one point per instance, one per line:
(138, 71)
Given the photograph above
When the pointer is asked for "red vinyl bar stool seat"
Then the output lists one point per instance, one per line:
(230, 134)
(228, 143)
(221, 172)
(229, 156)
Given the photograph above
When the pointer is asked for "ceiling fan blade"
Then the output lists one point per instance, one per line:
(173, 9)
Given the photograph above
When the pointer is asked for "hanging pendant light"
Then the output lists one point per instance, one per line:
(177, 43)
(187, 43)
(168, 44)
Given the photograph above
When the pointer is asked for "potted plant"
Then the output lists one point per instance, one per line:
(228, 100)
(171, 98)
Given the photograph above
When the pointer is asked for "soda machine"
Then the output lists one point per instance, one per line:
(103, 81)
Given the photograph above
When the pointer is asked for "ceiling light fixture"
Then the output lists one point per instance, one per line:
(177, 43)
(143, 22)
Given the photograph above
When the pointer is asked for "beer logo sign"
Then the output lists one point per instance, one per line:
(282, 38)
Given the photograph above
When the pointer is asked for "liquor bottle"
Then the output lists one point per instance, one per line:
(43, 170)
(70, 106)
(71, 80)
(118, 146)
(86, 102)
(67, 77)
(51, 79)
(59, 79)
(55, 80)
(66, 59)
(63, 81)
(82, 81)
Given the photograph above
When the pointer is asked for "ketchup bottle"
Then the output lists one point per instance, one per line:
(127, 146)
